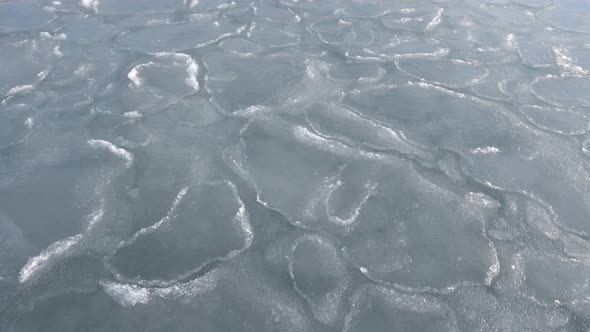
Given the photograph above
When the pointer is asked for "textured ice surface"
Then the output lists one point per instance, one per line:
(319, 275)
(553, 89)
(375, 308)
(26, 62)
(409, 47)
(395, 241)
(113, 7)
(477, 309)
(173, 36)
(295, 165)
(451, 73)
(23, 16)
(205, 223)
(162, 80)
(568, 15)
(567, 122)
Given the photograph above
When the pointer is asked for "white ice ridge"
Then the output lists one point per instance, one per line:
(60, 248)
(485, 150)
(20, 88)
(150, 229)
(567, 64)
(191, 67)
(494, 269)
(57, 36)
(305, 136)
(435, 20)
(37, 263)
(90, 4)
(192, 71)
(133, 74)
(511, 41)
(57, 51)
(129, 295)
(371, 189)
(250, 111)
(117, 151)
(28, 87)
(133, 115)
(243, 221)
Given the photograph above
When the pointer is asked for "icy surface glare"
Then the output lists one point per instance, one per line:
(295, 165)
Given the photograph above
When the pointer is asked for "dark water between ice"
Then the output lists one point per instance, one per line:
(327, 165)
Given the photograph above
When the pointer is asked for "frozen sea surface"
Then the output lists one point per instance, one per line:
(294, 165)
